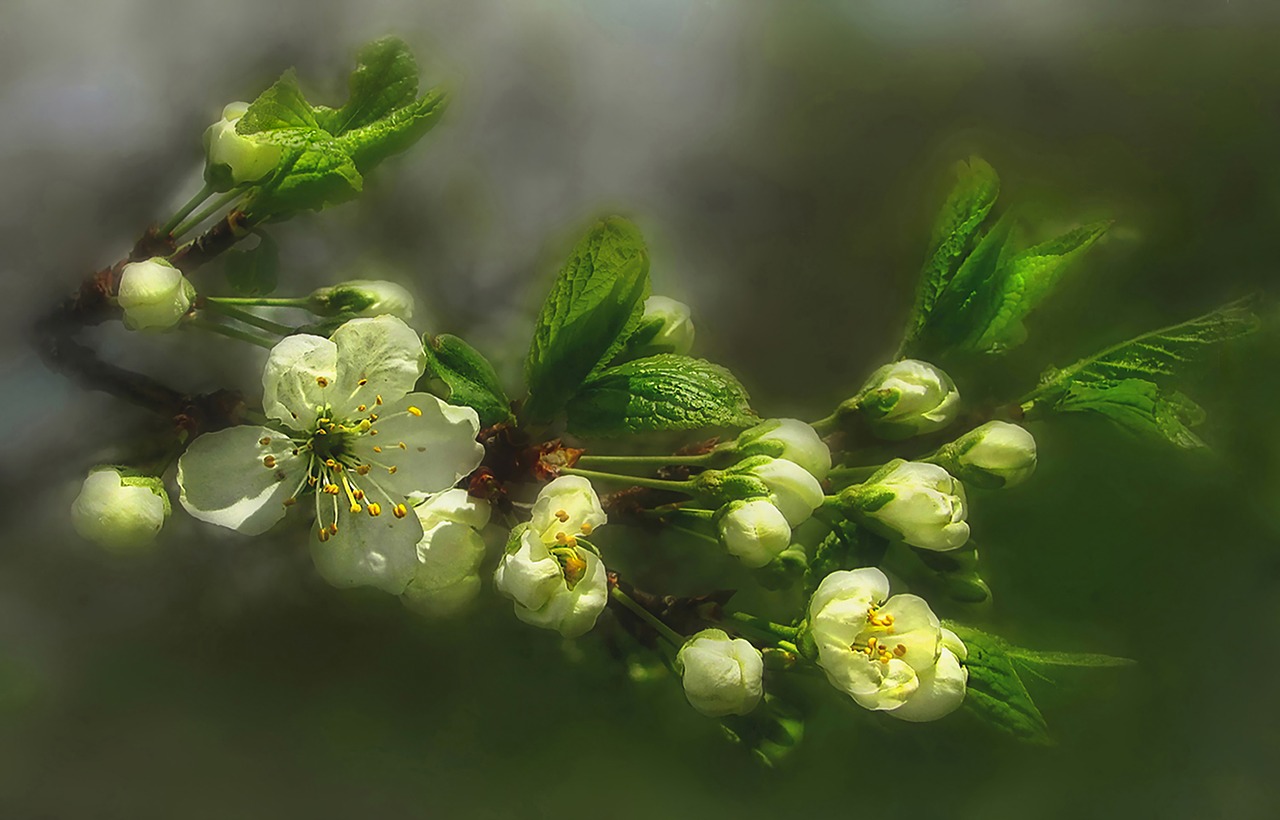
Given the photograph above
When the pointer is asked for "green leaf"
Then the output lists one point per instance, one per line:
(972, 198)
(370, 144)
(385, 79)
(771, 732)
(1163, 353)
(280, 106)
(955, 314)
(254, 272)
(995, 693)
(1021, 284)
(315, 172)
(467, 377)
(596, 302)
(665, 392)
(1089, 660)
(1139, 407)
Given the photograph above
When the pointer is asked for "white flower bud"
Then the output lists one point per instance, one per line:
(667, 326)
(920, 503)
(792, 488)
(363, 297)
(721, 675)
(790, 439)
(997, 454)
(754, 530)
(907, 398)
(121, 513)
(153, 294)
(449, 553)
(232, 158)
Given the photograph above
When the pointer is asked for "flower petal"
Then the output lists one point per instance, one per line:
(529, 576)
(447, 553)
(941, 691)
(421, 445)
(376, 357)
(573, 612)
(915, 628)
(377, 551)
(867, 584)
(568, 504)
(233, 479)
(298, 380)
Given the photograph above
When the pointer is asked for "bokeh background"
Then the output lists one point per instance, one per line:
(784, 160)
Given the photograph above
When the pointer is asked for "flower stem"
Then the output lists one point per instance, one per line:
(261, 301)
(702, 536)
(672, 637)
(765, 627)
(185, 211)
(646, 461)
(827, 425)
(208, 211)
(852, 475)
(248, 318)
(197, 323)
(636, 481)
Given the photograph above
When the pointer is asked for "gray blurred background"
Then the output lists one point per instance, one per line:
(784, 160)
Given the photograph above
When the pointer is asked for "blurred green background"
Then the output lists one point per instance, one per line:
(785, 160)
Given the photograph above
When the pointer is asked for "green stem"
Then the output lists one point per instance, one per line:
(766, 627)
(635, 481)
(197, 323)
(647, 461)
(262, 301)
(852, 475)
(213, 207)
(248, 318)
(672, 637)
(828, 425)
(185, 211)
(702, 536)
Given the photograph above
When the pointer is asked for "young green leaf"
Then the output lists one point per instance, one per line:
(254, 272)
(995, 693)
(1021, 284)
(370, 144)
(771, 733)
(1139, 407)
(1084, 660)
(961, 303)
(595, 303)
(665, 392)
(280, 106)
(385, 80)
(962, 215)
(316, 172)
(466, 379)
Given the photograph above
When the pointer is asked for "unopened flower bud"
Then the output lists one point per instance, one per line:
(905, 399)
(232, 158)
(665, 328)
(790, 439)
(153, 294)
(449, 553)
(362, 297)
(997, 454)
(790, 487)
(721, 675)
(754, 530)
(920, 503)
(119, 512)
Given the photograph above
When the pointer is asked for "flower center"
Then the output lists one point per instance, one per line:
(874, 647)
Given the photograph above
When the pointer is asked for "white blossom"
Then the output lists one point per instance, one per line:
(790, 439)
(449, 553)
(363, 297)
(721, 675)
(908, 398)
(153, 294)
(556, 582)
(121, 513)
(792, 488)
(997, 454)
(920, 503)
(348, 433)
(232, 158)
(887, 653)
(754, 530)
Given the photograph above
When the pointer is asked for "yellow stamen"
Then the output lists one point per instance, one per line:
(362, 382)
(562, 515)
(375, 509)
(377, 400)
(392, 470)
(587, 528)
(322, 381)
(363, 469)
(323, 535)
(269, 461)
(265, 440)
(400, 511)
(362, 408)
(333, 528)
(377, 449)
(414, 411)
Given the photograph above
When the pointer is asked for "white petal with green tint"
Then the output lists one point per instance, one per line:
(379, 357)
(377, 551)
(239, 478)
(299, 379)
(420, 445)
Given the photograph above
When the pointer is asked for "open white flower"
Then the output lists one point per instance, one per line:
(754, 530)
(363, 297)
(790, 439)
(920, 503)
(449, 553)
(121, 513)
(880, 651)
(555, 582)
(721, 675)
(351, 434)
(997, 454)
(153, 294)
(232, 158)
(907, 398)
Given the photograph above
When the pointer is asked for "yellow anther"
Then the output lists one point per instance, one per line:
(392, 470)
(363, 469)
(373, 417)
(320, 431)
(269, 461)
(899, 650)
(290, 501)
(414, 411)
(373, 432)
(587, 528)
(358, 493)
(333, 528)
(362, 382)
(322, 381)
(401, 446)
(323, 534)
(562, 515)
(566, 539)
(377, 449)
(377, 400)
(364, 425)
(330, 463)
(375, 509)
(400, 510)
(312, 480)
(265, 440)
(871, 643)
(362, 408)
(355, 508)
